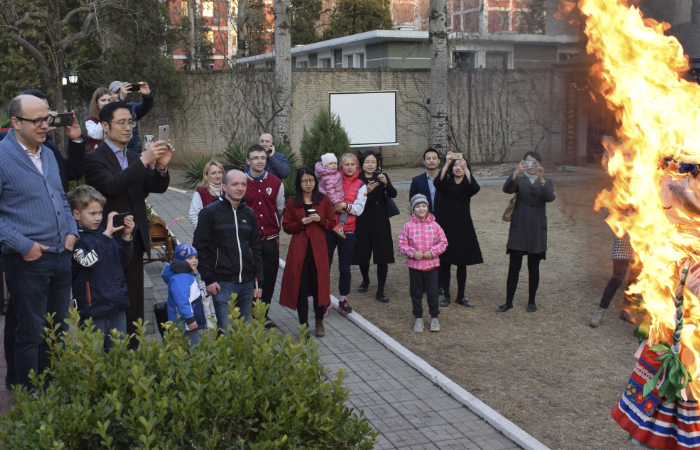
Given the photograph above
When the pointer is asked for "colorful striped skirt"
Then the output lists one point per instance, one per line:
(652, 420)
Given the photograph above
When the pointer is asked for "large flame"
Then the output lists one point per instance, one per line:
(640, 74)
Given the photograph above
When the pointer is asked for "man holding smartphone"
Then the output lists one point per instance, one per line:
(126, 178)
(138, 110)
(277, 163)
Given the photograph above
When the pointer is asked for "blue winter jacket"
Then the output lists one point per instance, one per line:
(99, 285)
(184, 296)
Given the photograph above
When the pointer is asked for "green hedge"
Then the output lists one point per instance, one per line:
(247, 389)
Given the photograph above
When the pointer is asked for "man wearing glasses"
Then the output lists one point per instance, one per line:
(37, 232)
(265, 195)
(125, 179)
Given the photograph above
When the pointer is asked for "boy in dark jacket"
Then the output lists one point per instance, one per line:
(99, 285)
(184, 297)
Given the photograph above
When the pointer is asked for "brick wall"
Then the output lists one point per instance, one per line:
(493, 115)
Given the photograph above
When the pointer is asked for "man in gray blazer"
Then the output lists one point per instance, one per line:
(37, 232)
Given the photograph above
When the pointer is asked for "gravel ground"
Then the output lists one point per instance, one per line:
(548, 372)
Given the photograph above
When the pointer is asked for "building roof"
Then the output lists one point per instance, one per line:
(369, 37)
(688, 34)
(372, 37)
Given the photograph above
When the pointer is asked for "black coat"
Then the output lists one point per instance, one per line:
(419, 185)
(125, 190)
(221, 232)
(456, 221)
(373, 229)
(528, 225)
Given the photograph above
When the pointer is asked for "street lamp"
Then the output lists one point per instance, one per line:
(70, 77)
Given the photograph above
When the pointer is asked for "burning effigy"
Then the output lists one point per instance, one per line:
(654, 162)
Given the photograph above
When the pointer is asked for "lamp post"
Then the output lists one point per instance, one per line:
(70, 77)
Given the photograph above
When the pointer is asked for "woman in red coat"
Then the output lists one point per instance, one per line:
(306, 217)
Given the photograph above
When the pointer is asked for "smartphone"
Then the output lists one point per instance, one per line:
(61, 120)
(164, 133)
(531, 164)
(311, 212)
(118, 220)
(135, 87)
(456, 156)
(375, 176)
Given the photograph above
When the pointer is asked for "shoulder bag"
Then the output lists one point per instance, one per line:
(508, 213)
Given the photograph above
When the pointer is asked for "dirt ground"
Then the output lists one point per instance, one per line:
(548, 372)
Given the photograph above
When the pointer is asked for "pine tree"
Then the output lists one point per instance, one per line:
(536, 17)
(305, 14)
(326, 136)
(357, 16)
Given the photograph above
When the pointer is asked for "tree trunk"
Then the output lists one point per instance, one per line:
(437, 135)
(240, 29)
(193, 43)
(283, 71)
(695, 12)
(54, 85)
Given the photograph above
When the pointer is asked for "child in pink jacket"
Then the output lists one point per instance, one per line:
(330, 183)
(422, 241)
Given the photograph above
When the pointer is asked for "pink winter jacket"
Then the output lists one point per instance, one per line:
(330, 182)
(420, 236)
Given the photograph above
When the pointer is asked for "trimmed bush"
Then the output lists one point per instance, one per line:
(326, 136)
(235, 155)
(247, 389)
(193, 170)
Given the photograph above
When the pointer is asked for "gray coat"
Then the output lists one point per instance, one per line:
(528, 226)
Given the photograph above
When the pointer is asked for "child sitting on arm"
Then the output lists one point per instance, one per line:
(422, 241)
(330, 183)
(184, 297)
(99, 284)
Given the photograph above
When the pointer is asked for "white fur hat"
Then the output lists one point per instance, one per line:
(328, 158)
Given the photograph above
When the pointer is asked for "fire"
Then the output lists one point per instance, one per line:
(640, 71)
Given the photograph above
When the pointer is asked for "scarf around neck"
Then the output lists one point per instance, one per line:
(214, 189)
(532, 178)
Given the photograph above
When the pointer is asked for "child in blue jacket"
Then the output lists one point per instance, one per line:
(184, 297)
(99, 284)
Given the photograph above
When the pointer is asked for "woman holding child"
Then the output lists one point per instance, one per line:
(373, 226)
(354, 204)
(457, 186)
(307, 217)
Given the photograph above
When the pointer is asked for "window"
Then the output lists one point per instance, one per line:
(338, 58)
(361, 62)
(207, 9)
(496, 60)
(302, 64)
(183, 9)
(294, 61)
(210, 37)
(325, 63)
(313, 60)
(464, 60)
(349, 59)
(565, 56)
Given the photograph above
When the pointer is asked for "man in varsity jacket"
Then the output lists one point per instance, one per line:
(265, 195)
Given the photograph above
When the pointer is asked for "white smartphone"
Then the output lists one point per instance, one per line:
(164, 133)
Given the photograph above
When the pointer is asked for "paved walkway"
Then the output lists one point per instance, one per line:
(406, 408)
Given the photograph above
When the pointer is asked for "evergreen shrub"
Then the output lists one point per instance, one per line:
(325, 136)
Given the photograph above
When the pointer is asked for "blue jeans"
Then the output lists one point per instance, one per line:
(37, 288)
(193, 336)
(107, 323)
(244, 302)
(345, 247)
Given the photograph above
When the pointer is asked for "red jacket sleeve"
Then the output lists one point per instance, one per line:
(290, 223)
(328, 218)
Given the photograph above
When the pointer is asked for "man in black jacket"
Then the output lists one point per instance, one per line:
(126, 179)
(228, 244)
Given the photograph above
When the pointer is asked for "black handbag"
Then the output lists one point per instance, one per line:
(391, 208)
(160, 310)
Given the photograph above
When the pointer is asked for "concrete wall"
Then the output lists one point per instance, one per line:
(493, 115)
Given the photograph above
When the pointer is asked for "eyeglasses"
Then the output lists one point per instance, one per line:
(36, 122)
(124, 124)
(311, 181)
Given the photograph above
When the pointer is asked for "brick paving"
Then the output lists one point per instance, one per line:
(406, 408)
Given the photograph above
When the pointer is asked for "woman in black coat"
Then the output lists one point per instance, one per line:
(455, 218)
(373, 229)
(528, 225)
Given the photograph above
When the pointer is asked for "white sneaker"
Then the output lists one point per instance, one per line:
(418, 326)
(434, 324)
(597, 318)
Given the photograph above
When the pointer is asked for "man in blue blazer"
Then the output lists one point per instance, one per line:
(423, 184)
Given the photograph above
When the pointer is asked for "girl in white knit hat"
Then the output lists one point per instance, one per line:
(330, 183)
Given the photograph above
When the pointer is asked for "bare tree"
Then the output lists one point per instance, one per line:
(438, 75)
(283, 71)
(17, 20)
(240, 28)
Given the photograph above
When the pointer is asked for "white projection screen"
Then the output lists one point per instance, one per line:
(369, 118)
